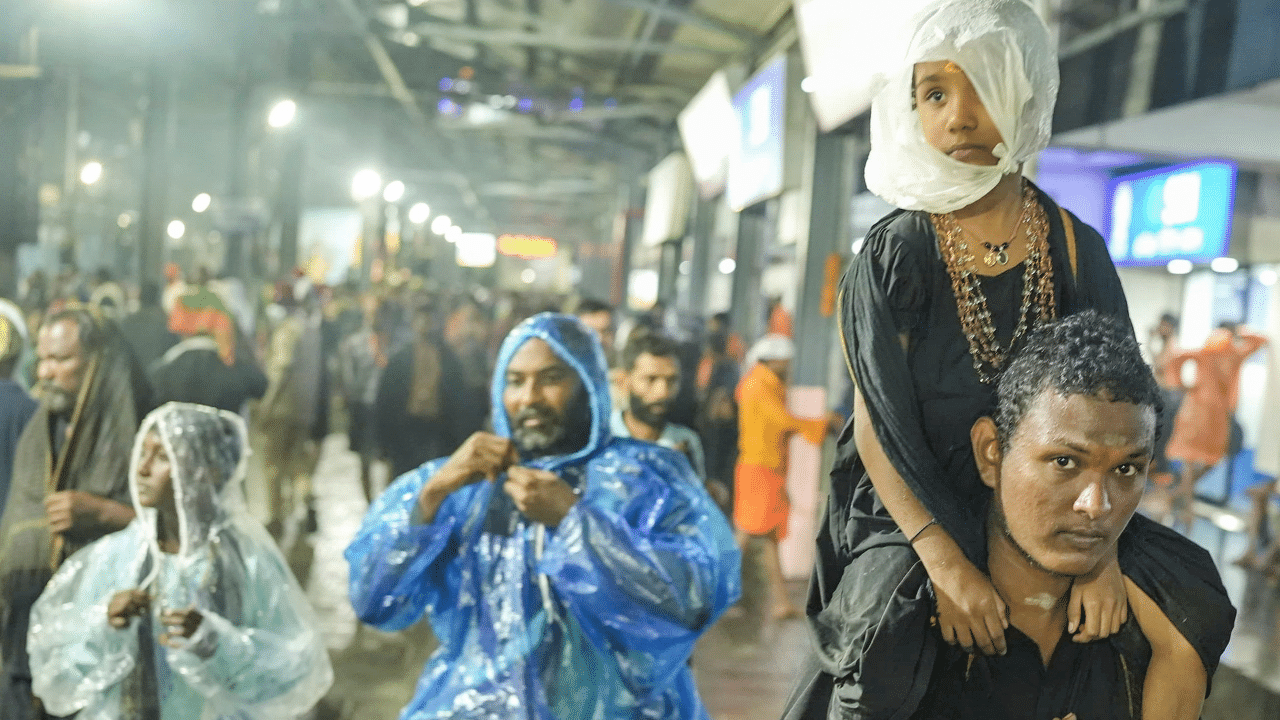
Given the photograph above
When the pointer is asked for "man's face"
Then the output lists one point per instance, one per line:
(1071, 479)
(539, 391)
(952, 116)
(652, 384)
(781, 368)
(155, 474)
(602, 323)
(62, 365)
(424, 323)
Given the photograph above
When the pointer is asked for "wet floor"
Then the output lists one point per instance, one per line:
(744, 666)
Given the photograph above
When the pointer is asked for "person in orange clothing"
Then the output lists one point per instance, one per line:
(760, 501)
(1202, 429)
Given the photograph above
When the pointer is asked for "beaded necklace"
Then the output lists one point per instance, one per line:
(971, 302)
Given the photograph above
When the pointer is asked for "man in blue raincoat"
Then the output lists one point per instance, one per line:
(567, 573)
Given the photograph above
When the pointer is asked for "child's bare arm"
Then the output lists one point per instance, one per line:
(1175, 685)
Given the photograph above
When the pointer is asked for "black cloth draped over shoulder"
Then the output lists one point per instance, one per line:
(922, 401)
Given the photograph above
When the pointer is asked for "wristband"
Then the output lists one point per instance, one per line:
(932, 521)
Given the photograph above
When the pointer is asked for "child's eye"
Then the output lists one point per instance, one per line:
(1064, 462)
(934, 96)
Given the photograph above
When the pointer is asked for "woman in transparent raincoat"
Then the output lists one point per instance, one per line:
(190, 611)
(591, 618)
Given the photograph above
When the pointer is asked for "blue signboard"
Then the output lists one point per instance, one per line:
(1174, 213)
(755, 172)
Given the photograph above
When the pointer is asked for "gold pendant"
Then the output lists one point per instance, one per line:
(990, 259)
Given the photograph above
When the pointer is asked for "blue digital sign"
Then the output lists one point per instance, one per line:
(1174, 213)
(755, 172)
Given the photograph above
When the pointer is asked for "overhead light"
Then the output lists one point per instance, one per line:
(394, 191)
(453, 233)
(1268, 277)
(1225, 265)
(419, 213)
(441, 224)
(91, 172)
(808, 84)
(1179, 267)
(282, 113)
(366, 184)
(177, 229)
(201, 202)
(727, 266)
(124, 221)
(684, 267)
(857, 244)
(528, 275)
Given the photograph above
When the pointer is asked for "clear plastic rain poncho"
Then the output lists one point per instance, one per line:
(257, 652)
(595, 618)
(1004, 48)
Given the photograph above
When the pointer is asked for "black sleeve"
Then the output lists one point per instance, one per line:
(897, 254)
(869, 329)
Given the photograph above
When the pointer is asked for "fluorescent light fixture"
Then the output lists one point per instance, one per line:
(282, 113)
(91, 172)
(177, 229)
(441, 224)
(727, 266)
(1225, 265)
(419, 213)
(366, 184)
(201, 202)
(393, 192)
(1179, 267)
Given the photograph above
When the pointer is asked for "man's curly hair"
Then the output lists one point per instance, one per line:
(1084, 354)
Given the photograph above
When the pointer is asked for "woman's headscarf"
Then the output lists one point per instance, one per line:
(1003, 47)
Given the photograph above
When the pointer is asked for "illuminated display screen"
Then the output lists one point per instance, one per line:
(1174, 213)
(755, 171)
(528, 247)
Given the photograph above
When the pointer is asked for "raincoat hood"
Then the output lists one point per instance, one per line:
(578, 347)
(206, 460)
(1004, 48)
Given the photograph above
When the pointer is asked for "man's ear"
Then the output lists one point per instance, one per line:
(985, 439)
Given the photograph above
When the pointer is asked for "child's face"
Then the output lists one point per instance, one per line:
(953, 117)
(155, 486)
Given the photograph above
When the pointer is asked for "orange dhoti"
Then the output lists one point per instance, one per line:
(760, 504)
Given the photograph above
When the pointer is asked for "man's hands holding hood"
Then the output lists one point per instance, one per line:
(540, 495)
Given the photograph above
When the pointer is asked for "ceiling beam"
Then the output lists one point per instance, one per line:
(695, 18)
(581, 44)
(401, 92)
(1122, 24)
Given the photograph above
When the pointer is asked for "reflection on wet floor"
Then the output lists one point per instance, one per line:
(744, 665)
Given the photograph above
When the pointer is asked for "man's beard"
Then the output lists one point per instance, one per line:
(56, 399)
(557, 434)
(1002, 526)
(652, 414)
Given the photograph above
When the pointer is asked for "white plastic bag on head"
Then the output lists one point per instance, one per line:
(1003, 47)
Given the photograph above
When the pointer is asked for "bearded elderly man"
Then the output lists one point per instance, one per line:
(567, 572)
(70, 474)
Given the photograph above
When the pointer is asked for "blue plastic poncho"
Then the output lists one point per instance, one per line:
(595, 618)
(257, 653)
